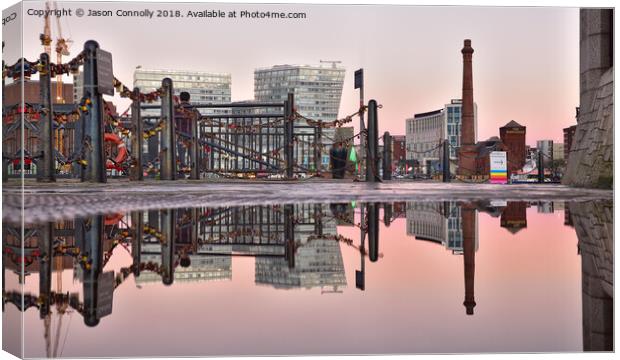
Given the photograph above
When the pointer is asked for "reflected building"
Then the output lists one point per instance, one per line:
(514, 216)
(317, 256)
(545, 207)
(439, 222)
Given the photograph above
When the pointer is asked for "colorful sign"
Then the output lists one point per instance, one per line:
(498, 166)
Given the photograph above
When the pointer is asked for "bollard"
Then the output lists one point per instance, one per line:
(91, 229)
(168, 221)
(445, 166)
(373, 231)
(387, 156)
(289, 234)
(46, 171)
(92, 136)
(387, 214)
(137, 138)
(541, 168)
(372, 163)
(168, 161)
(137, 222)
(289, 129)
(318, 141)
(194, 153)
(46, 240)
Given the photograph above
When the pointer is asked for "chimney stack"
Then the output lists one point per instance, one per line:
(467, 151)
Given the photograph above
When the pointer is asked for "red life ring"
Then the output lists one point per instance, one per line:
(113, 219)
(122, 150)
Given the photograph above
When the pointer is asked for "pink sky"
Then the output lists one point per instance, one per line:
(526, 60)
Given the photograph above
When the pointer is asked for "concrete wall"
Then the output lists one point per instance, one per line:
(591, 155)
(593, 223)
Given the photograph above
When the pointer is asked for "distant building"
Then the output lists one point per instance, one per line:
(203, 87)
(317, 89)
(12, 93)
(483, 153)
(426, 131)
(399, 152)
(569, 134)
(513, 137)
(546, 148)
(558, 151)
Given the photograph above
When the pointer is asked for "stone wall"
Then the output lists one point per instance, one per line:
(591, 155)
(593, 223)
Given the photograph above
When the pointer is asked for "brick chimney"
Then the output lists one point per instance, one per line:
(467, 151)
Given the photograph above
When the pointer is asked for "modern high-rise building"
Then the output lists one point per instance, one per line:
(203, 87)
(426, 131)
(317, 89)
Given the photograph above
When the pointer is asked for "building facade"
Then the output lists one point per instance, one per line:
(317, 89)
(558, 151)
(546, 148)
(426, 131)
(513, 136)
(569, 134)
(204, 87)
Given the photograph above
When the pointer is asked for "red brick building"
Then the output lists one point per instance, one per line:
(514, 216)
(32, 95)
(513, 137)
(399, 151)
(483, 152)
(569, 134)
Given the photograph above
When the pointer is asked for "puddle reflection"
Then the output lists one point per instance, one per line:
(81, 267)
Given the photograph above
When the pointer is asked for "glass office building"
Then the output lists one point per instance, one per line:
(203, 87)
(425, 131)
(317, 89)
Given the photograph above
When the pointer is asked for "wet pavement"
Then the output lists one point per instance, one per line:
(59, 200)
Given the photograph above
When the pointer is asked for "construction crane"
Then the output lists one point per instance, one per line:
(61, 48)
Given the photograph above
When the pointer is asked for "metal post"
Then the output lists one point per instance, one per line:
(359, 84)
(46, 239)
(168, 221)
(46, 171)
(289, 133)
(168, 161)
(137, 222)
(318, 219)
(541, 168)
(289, 235)
(387, 214)
(387, 156)
(373, 232)
(137, 172)
(372, 164)
(318, 141)
(92, 232)
(194, 153)
(445, 166)
(93, 120)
